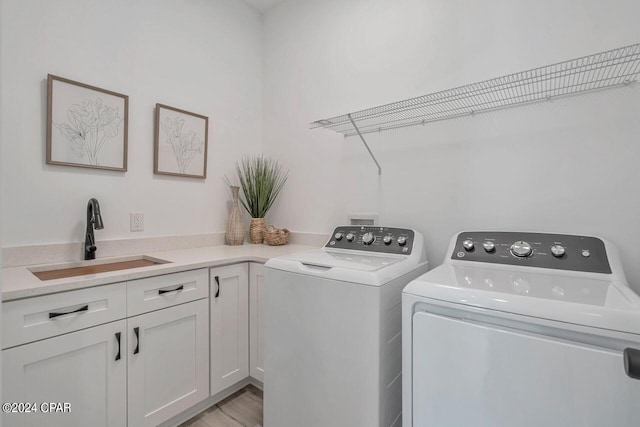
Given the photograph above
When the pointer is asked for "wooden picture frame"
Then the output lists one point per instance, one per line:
(87, 126)
(181, 143)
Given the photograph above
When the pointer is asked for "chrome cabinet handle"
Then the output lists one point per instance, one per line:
(166, 291)
(80, 310)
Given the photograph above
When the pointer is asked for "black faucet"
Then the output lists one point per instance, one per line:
(94, 220)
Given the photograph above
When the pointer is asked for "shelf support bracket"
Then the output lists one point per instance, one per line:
(365, 144)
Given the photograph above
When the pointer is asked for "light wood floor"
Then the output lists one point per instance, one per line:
(242, 409)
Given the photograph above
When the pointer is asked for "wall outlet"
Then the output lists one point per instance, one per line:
(137, 221)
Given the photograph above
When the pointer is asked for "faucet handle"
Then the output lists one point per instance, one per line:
(90, 252)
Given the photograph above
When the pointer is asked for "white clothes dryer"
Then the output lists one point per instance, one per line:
(332, 329)
(522, 329)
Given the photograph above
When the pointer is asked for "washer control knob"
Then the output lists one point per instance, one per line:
(350, 237)
(338, 236)
(521, 249)
(468, 245)
(489, 246)
(557, 250)
(387, 240)
(368, 238)
(402, 240)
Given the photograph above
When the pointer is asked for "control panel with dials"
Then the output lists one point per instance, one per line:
(559, 251)
(386, 240)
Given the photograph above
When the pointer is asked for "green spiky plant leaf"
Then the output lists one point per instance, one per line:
(261, 180)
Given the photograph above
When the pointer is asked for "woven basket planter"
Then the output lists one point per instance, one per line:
(256, 230)
(275, 236)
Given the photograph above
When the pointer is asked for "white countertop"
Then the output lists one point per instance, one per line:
(19, 282)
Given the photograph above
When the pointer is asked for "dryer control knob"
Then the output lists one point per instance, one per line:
(402, 240)
(387, 240)
(521, 249)
(350, 237)
(338, 236)
(489, 246)
(557, 250)
(368, 238)
(468, 245)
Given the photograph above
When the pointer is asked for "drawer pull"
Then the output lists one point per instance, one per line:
(136, 331)
(218, 288)
(80, 310)
(166, 291)
(118, 341)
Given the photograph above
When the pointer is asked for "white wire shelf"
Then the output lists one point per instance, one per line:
(601, 70)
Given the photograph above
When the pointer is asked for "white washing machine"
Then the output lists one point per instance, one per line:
(522, 329)
(332, 329)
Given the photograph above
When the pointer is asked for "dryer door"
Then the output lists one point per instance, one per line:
(471, 374)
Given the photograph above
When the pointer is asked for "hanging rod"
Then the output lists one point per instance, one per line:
(597, 71)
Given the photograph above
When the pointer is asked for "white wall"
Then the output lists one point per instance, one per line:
(2, 124)
(566, 166)
(203, 56)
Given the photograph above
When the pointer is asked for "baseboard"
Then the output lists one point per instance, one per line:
(257, 384)
(208, 403)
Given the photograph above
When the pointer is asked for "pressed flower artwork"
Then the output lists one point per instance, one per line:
(180, 143)
(86, 125)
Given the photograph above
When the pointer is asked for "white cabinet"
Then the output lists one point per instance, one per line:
(137, 372)
(135, 353)
(168, 362)
(87, 369)
(256, 310)
(229, 299)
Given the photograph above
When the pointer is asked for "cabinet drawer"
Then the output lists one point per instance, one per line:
(155, 293)
(36, 318)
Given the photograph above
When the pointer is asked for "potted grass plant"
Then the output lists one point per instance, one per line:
(261, 180)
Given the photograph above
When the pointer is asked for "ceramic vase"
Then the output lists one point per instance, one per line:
(256, 230)
(235, 228)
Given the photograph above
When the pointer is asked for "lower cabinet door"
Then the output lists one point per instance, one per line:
(256, 310)
(229, 326)
(77, 379)
(168, 362)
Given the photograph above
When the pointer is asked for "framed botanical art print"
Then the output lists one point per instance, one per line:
(86, 126)
(180, 142)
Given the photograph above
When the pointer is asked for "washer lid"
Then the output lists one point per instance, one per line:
(348, 266)
(351, 260)
(580, 299)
